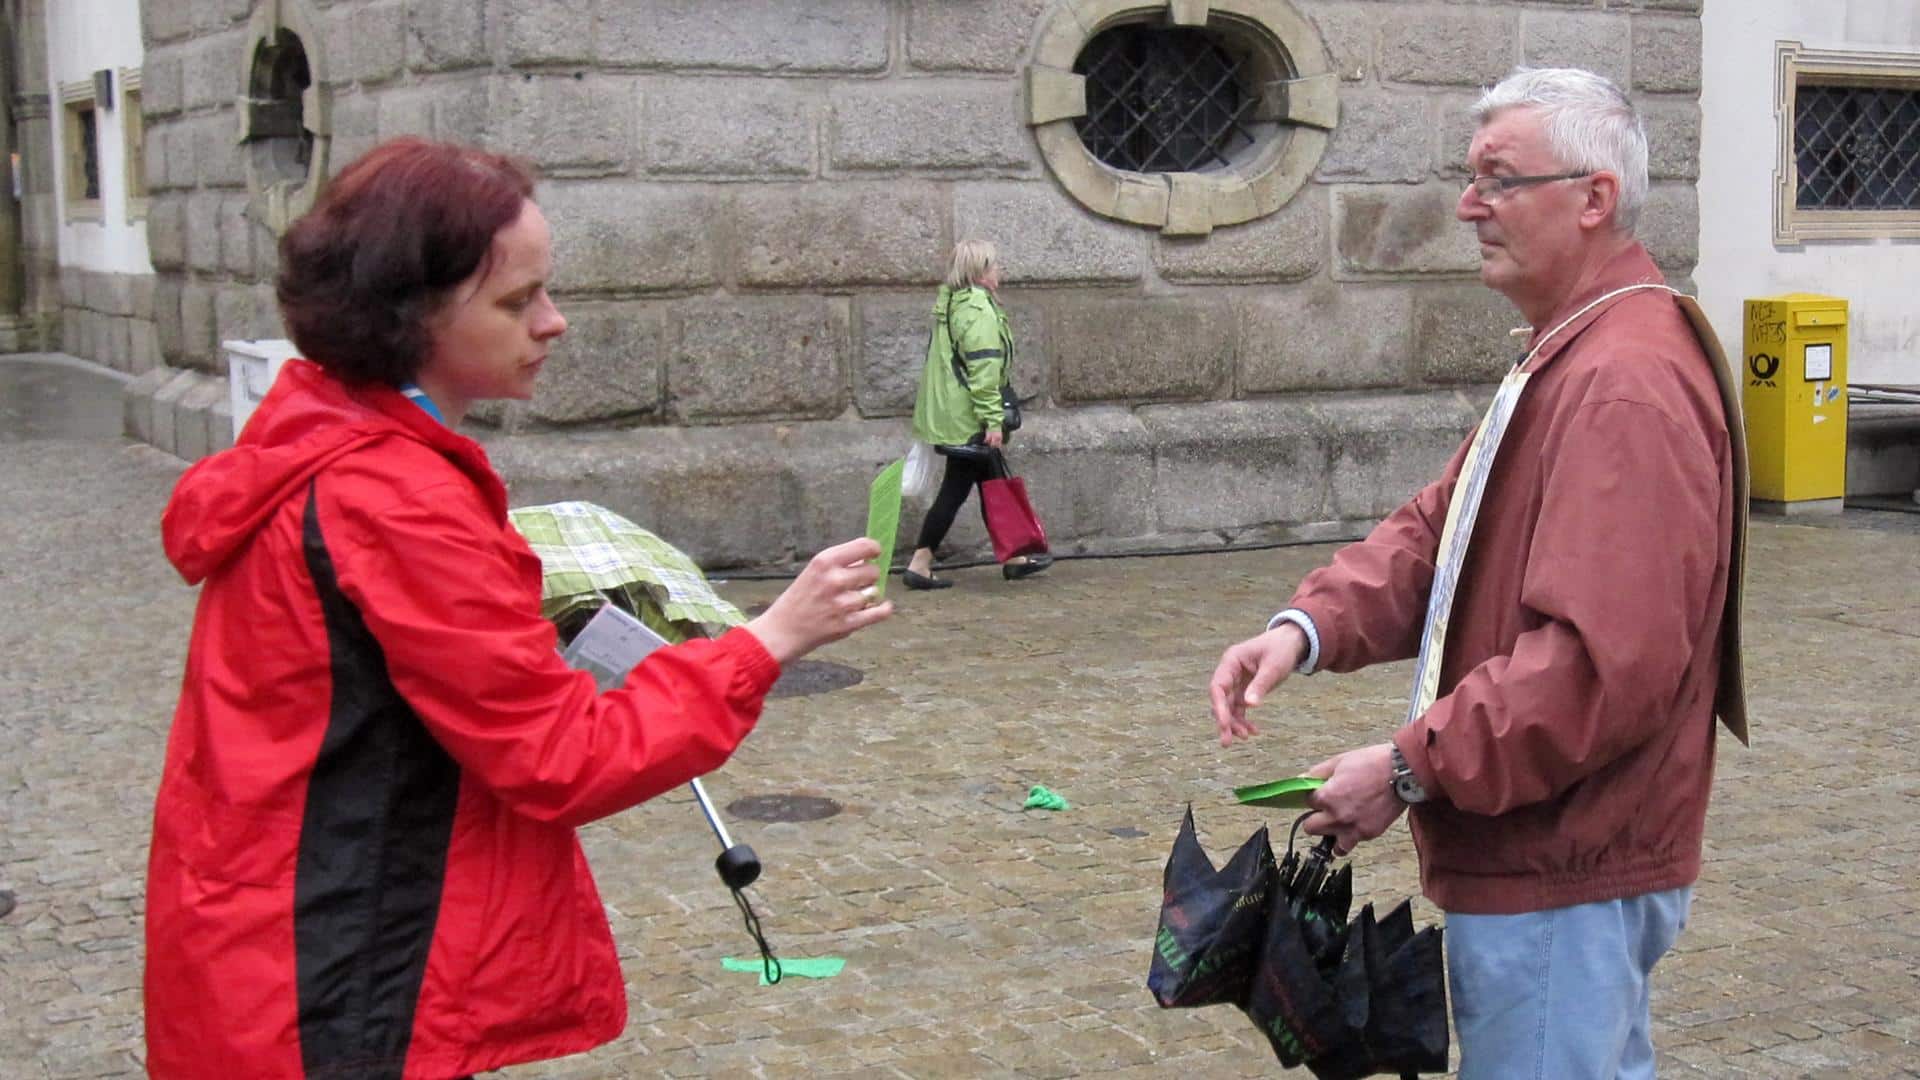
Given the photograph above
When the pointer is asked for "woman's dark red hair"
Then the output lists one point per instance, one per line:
(389, 237)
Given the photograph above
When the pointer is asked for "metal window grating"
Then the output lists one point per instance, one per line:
(1857, 147)
(1163, 99)
(88, 124)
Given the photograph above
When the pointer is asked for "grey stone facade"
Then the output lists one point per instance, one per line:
(108, 318)
(30, 294)
(753, 200)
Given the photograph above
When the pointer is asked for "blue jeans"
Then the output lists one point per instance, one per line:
(1560, 994)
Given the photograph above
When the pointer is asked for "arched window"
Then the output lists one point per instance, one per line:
(1181, 114)
(284, 130)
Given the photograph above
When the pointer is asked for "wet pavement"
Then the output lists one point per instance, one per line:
(47, 396)
(981, 939)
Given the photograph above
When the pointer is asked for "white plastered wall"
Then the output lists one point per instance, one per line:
(1739, 133)
(84, 36)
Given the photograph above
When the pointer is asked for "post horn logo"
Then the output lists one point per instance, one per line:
(1763, 368)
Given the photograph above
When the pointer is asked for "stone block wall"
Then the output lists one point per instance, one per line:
(753, 201)
(108, 318)
(213, 260)
(30, 302)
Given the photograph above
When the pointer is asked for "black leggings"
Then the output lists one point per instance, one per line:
(961, 477)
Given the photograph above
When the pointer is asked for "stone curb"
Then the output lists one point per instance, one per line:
(185, 413)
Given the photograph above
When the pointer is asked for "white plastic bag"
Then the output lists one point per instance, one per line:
(921, 475)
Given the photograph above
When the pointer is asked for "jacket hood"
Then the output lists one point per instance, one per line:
(307, 421)
(970, 296)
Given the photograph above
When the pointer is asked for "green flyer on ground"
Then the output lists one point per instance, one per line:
(883, 519)
(805, 967)
(1288, 794)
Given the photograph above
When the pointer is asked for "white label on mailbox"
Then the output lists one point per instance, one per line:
(1819, 363)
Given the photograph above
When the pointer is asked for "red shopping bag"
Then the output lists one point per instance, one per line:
(1015, 528)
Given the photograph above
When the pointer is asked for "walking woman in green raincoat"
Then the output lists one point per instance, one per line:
(969, 360)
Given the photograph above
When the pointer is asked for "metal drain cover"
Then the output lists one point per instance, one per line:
(804, 677)
(783, 808)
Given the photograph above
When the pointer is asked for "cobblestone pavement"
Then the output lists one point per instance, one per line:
(981, 939)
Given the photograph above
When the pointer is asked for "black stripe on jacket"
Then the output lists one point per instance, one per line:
(373, 851)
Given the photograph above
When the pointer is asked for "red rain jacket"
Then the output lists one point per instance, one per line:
(364, 862)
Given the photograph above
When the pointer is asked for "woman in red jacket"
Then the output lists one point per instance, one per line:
(364, 862)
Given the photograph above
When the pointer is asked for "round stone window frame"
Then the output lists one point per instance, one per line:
(1186, 203)
(275, 200)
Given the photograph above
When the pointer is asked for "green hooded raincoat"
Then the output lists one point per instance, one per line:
(969, 357)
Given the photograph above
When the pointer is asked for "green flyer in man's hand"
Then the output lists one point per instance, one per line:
(883, 519)
(1288, 794)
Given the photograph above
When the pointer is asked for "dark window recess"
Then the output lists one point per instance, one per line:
(276, 132)
(1164, 99)
(89, 154)
(1857, 147)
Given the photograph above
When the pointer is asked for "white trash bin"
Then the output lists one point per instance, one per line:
(251, 368)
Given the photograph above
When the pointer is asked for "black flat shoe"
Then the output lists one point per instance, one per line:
(1013, 571)
(916, 581)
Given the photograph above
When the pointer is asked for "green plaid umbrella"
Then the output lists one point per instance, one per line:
(590, 555)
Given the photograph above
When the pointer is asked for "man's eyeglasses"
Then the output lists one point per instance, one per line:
(1491, 189)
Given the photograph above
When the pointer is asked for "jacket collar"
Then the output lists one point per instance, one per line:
(1631, 266)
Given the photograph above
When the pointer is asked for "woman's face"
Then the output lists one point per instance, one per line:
(990, 277)
(491, 337)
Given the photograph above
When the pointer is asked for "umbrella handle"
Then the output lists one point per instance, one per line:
(737, 865)
(1313, 869)
(1324, 849)
(713, 816)
(1319, 860)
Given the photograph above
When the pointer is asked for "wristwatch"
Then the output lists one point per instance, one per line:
(1406, 785)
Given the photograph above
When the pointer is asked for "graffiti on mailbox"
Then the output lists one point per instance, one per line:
(1766, 325)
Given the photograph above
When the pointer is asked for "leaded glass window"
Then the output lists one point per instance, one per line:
(1857, 148)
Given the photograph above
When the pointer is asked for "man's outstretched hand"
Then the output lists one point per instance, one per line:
(1248, 672)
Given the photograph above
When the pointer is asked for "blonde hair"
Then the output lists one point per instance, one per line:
(970, 260)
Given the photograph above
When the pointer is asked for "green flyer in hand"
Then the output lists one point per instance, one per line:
(883, 519)
(1288, 794)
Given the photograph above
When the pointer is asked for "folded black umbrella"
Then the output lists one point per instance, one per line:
(1211, 921)
(1404, 1030)
(1345, 999)
(1318, 897)
(1308, 994)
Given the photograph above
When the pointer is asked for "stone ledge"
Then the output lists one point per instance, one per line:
(186, 413)
(1883, 449)
(1104, 480)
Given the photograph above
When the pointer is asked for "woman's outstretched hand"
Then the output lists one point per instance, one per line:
(830, 599)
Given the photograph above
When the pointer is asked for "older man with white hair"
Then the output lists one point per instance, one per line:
(1569, 589)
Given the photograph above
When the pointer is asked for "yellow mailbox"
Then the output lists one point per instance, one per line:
(1796, 400)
